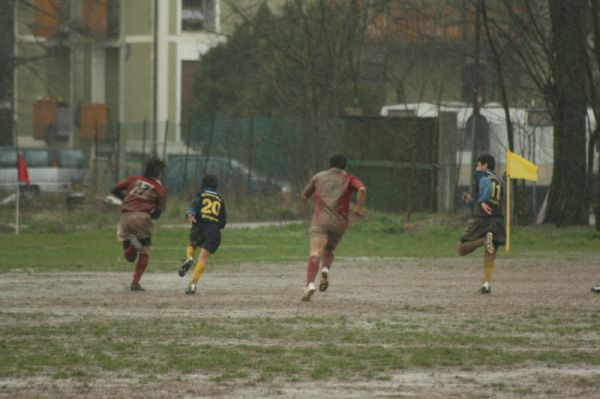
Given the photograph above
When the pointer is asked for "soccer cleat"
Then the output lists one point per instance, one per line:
(185, 266)
(133, 240)
(324, 279)
(596, 289)
(485, 288)
(489, 243)
(308, 292)
(191, 289)
(136, 287)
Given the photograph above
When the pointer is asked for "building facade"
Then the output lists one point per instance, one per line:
(109, 70)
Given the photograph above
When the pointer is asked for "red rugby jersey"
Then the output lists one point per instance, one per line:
(143, 194)
(332, 190)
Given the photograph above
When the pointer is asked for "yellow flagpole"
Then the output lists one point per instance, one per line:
(507, 202)
(507, 213)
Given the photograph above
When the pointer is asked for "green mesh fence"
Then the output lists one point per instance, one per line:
(394, 157)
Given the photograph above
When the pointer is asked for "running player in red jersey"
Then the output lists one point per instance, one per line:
(144, 198)
(332, 191)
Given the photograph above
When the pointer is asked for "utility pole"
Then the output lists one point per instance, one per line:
(477, 124)
(477, 70)
(155, 80)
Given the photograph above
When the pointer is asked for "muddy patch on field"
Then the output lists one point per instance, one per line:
(436, 292)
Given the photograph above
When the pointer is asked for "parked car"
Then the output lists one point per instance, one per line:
(51, 170)
(185, 175)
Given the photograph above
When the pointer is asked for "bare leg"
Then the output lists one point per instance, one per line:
(489, 265)
(465, 248)
(327, 258)
(204, 254)
(317, 244)
(140, 268)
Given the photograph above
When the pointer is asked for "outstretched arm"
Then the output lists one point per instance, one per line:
(192, 212)
(361, 196)
(120, 189)
(117, 192)
(308, 190)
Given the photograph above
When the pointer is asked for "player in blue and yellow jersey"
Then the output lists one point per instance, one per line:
(208, 216)
(486, 227)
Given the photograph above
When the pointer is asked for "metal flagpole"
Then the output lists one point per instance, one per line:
(18, 183)
(17, 211)
(508, 199)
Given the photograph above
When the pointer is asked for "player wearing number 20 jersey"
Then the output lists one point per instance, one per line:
(208, 208)
(208, 216)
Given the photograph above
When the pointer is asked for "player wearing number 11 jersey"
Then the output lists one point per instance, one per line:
(486, 227)
(208, 216)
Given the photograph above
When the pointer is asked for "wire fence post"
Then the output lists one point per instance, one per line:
(144, 143)
(250, 150)
(164, 156)
(187, 151)
(118, 140)
(96, 156)
(209, 144)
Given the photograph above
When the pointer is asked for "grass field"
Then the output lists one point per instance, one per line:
(401, 318)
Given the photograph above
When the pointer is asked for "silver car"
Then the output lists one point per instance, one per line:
(51, 170)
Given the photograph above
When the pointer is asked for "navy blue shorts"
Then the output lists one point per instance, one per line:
(478, 227)
(206, 235)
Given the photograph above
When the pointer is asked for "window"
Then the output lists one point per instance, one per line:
(37, 158)
(188, 102)
(45, 18)
(197, 15)
(94, 17)
(71, 159)
(8, 159)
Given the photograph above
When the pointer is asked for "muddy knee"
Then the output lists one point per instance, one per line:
(460, 250)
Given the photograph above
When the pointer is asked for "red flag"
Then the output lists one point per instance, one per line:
(22, 172)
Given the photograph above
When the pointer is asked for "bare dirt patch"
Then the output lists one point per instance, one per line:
(440, 291)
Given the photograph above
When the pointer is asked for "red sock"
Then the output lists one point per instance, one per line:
(140, 268)
(130, 253)
(312, 269)
(327, 258)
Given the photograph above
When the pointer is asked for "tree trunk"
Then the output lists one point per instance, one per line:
(568, 201)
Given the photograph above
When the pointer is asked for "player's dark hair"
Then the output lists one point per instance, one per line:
(209, 181)
(154, 168)
(338, 161)
(488, 159)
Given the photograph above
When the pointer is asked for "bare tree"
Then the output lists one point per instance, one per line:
(546, 43)
(566, 97)
(313, 65)
(593, 76)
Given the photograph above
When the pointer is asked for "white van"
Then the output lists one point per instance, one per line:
(51, 170)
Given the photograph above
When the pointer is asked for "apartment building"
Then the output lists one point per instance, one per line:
(92, 65)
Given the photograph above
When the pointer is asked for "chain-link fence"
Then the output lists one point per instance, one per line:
(395, 157)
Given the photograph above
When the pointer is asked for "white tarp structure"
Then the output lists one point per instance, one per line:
(533, 133)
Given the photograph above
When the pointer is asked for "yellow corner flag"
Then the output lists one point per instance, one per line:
(519, 168)
(516, 168)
